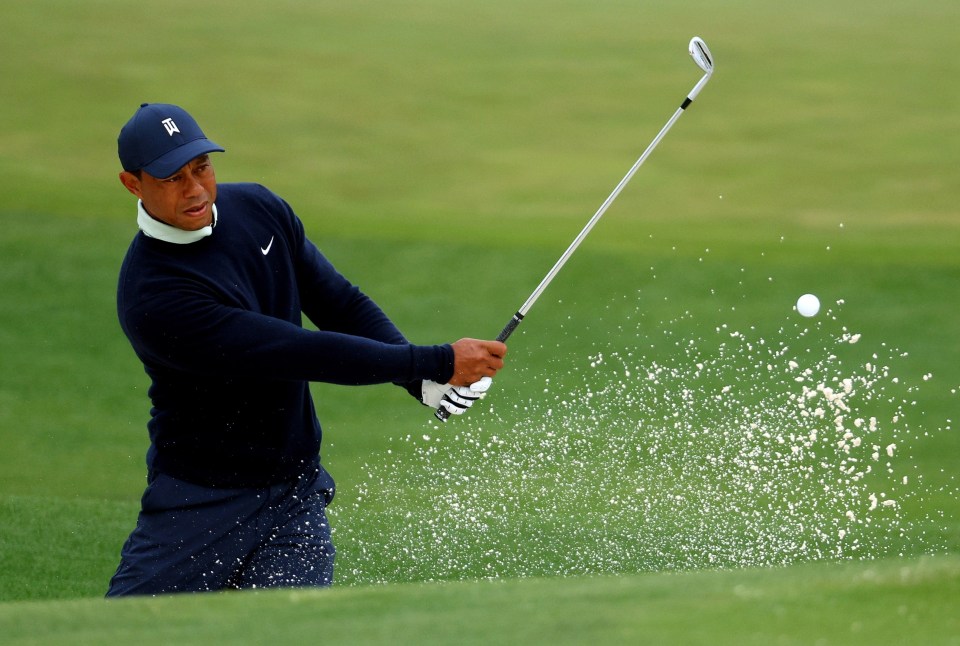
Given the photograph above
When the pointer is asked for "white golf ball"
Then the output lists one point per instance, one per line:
(808, 305)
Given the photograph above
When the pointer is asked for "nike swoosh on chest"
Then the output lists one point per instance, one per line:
(266, 250)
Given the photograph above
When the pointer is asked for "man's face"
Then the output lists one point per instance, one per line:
(184, 200)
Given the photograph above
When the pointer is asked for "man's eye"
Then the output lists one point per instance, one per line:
(171, 180)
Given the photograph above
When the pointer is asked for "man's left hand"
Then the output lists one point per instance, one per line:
(454, 399)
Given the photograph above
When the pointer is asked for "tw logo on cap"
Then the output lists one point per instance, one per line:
(170, 125)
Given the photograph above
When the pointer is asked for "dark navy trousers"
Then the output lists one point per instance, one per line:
(191, 538)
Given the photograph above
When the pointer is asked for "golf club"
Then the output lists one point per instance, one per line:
(704, 60)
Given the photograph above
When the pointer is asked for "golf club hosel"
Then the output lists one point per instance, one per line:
(696, 89)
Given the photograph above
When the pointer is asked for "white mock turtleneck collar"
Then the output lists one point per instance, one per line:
(162, 231)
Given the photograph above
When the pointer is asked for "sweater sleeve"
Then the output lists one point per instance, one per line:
(191, 332)
(333, 303)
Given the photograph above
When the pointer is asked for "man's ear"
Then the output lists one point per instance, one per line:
(131, 182)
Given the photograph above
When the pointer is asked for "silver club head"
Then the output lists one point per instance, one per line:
(701, 54)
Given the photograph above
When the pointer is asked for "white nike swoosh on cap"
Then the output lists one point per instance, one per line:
(266, 250)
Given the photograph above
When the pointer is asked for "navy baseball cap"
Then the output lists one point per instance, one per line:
(160, 138)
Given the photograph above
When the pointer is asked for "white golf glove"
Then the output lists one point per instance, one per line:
(454, 399)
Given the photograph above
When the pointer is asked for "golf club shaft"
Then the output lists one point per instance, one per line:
(522, 312)
(515, 321)
(511, 325)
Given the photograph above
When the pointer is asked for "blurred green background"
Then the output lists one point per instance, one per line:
(443, 154)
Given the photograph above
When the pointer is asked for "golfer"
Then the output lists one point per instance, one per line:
(211, 296)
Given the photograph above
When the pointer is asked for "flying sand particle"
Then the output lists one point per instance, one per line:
(604, 474)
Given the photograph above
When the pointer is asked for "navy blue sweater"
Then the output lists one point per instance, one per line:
(217, 324)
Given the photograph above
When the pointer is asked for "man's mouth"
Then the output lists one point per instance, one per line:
(196, 211)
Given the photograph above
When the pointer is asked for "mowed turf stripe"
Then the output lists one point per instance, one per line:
(894, 601)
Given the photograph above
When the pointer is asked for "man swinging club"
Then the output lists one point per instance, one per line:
(211, 296)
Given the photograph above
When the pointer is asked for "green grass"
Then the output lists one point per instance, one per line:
(881, 602)
(430, 146)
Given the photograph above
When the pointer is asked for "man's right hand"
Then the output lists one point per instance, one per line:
(474, 359)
